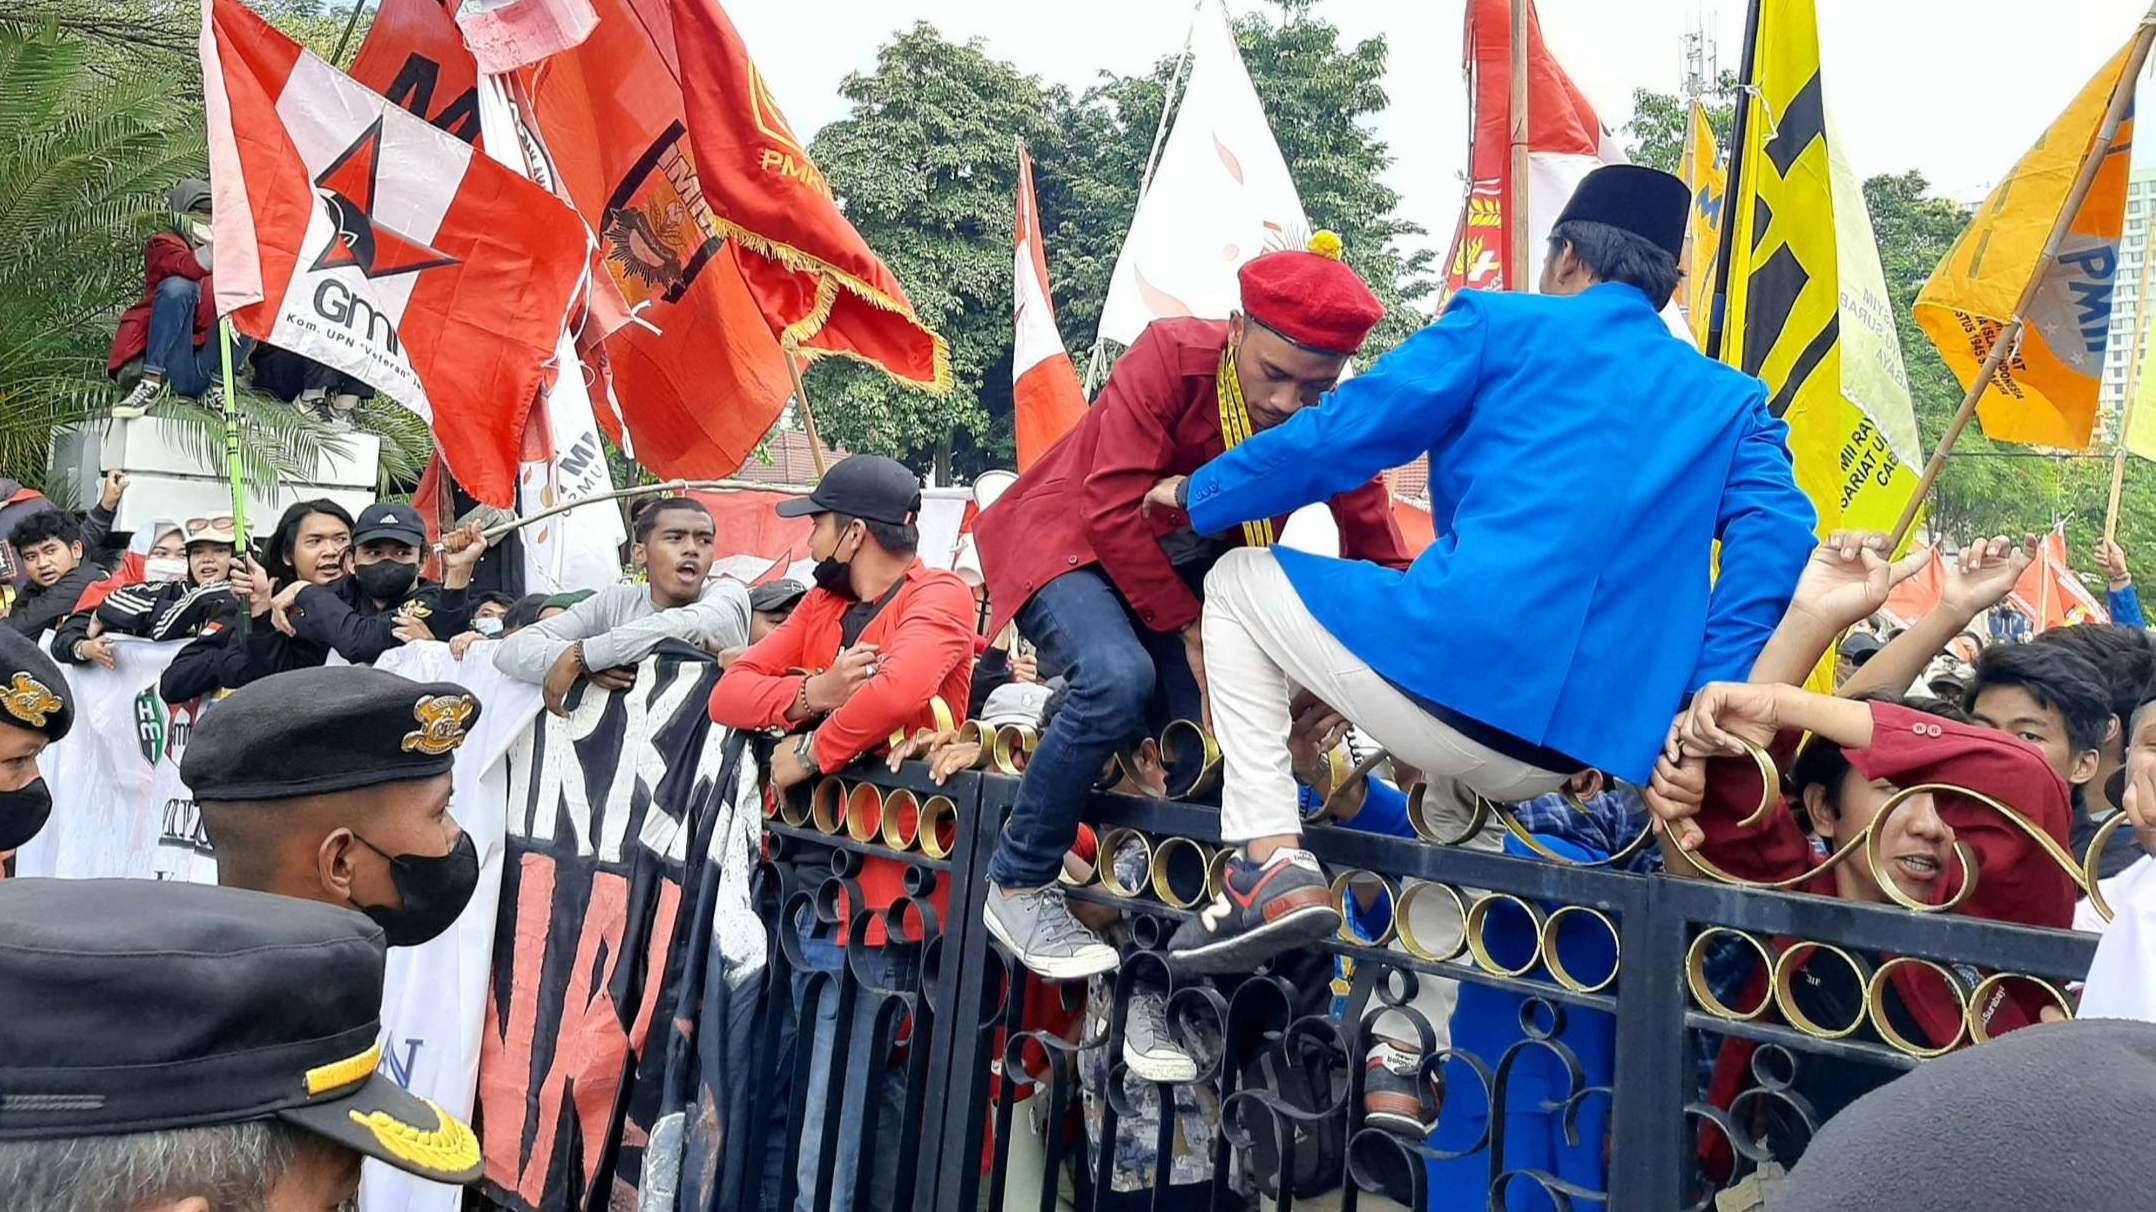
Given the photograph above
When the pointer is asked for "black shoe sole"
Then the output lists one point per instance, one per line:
(1404, 1126)
(1245, 951)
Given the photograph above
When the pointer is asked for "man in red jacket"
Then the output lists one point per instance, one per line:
(1107, 592)
(168, 333)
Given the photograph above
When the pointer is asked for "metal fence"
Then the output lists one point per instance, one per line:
(1587, 1090)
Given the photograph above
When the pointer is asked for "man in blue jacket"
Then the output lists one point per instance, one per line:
(1582, 463)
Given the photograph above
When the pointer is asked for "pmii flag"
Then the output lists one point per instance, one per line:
(1804, 304)
(357, 235)
(2045, 391)
(1219, 196)
(1046, 401)
(1565, 142)
(1701, 169)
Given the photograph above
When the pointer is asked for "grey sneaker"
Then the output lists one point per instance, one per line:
(138, 401)
(1148, 1049)
(1036, 925)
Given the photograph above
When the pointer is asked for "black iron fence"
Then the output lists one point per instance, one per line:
(1595, 1008)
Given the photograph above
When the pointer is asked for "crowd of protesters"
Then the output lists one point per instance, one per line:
(1118, 599)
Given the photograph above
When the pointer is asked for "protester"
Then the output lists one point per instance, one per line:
(175, 609)
(524, 612)
(49, 544)
(180, 1048)
(2125, 599)
(1975, 580)
(97, 521)
(166, 337)
(313, 390)
(489, 611)
(2127, 661)
(1109, 590)
(601, 638)
(155, 557)
(36, 709)
(332, 785)
(382, 601)
(1509, 704)
(311, 545)
(2054, 699)
(2122, 977)
(770, 604)
(998, 666)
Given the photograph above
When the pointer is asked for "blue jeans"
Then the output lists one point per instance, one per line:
(864, 1061)
(1124, 680)
(188, 368)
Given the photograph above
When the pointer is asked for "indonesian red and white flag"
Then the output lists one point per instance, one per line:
(355, 234)
(1046, 401)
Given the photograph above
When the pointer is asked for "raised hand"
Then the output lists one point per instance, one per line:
(829, 690)
(1985, 572)
(1849, 577)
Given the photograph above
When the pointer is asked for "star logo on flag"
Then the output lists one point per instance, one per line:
(348, 190)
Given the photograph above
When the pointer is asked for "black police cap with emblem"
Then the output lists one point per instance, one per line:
(142, 1005)
(332, 728)
(33, 695)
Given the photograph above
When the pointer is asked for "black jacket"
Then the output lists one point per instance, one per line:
(37, 608)
(169, 610)
(224, 659)
(339, 617)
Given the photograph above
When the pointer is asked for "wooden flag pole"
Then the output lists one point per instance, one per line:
(2126, 405)
(808, 419)
(1516, 201)
(2122, 96)
(234, 469)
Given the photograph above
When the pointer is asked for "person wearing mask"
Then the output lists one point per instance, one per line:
(36, 709)
(49, 544)
(382, 602)
(311, 545)
(185, 607)
(155, 557)
(601, 638)
(167, 337)
(199, 1049)
(1522, 402)
(488, 611)
(332, 785)
(1109, 589)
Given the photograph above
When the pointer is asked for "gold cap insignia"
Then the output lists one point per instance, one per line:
(441, 723)
(414, 610)
(448, 1148)
(29, 700)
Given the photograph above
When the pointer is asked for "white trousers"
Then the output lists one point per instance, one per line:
(1261, 643)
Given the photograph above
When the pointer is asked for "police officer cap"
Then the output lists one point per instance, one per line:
(332, 728)
(33, 695)
(143, 1005)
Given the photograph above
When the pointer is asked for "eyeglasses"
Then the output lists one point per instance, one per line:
(221, 522)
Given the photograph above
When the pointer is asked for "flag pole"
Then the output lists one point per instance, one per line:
(808, 419)
(1747, 89)
(2133, 389)
(233, 467)
(1516, 202)
(336, 57)
(2122, 95)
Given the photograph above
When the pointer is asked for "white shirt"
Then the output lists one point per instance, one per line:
(2122, 978)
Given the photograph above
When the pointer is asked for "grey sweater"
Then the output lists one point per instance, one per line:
(619, 625)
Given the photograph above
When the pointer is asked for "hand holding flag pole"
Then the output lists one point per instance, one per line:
(2009, 336)
(233, 467)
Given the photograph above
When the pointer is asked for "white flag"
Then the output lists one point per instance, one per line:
(1220, 195)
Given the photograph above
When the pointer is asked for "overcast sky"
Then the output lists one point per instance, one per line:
(1956, 88)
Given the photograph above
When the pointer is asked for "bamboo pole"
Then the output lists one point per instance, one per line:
(336, 57)
(1516, 201)
(2118, 481)
(2133, 385)
(234, 468)
(808, 419)
(2122, 96)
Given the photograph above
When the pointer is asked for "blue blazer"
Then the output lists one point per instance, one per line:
(1582, 462)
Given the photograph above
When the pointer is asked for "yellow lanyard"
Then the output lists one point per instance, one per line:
(1234, 427)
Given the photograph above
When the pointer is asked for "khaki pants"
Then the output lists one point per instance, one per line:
(1260, 644)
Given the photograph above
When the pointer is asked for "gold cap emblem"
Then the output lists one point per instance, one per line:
(441, 723)
(29, 700)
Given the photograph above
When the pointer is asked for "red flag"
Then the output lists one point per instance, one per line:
(2050, 592)
(1046, 401)
(415, 56)
(1564, 143)
(353, 233)
(1919, 595)
(822, 291)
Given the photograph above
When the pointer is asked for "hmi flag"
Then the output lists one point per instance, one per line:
(353, 233)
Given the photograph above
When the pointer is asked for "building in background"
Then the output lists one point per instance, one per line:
(2129, 289)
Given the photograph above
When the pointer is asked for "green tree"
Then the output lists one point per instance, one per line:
(1655, 134)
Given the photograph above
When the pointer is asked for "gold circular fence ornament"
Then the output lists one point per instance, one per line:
(1478, 916)
(1343, 886)
(1177, 870)
(1178, 741)
(1418, 815)
(983, 738)
(1875, 1009)
(2091, 874)
(901, 823)
(1783, 986)
(1964, 857)
(826, 806)
(1403, 918)
(1344, 776)
(1995, 986)
(1770, 783)
(1695, 974)
(864, 811)
(1112, 844)
(1519, 832)
(1013, 747)
(1216, 871)
(945, 722)
(1556, 964)
(938, 829)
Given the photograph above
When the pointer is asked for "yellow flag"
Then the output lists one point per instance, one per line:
(2140, 419)
(1805, 305)
(2045, 393)
(1702, 172)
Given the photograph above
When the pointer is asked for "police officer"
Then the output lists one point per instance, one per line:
(35, 711)
(184, 1048)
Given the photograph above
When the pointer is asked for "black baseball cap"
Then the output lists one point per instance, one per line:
(776, 595)
(144, 1005)
(862, 486)
(390, 520)
(330, 728)
(1859, 647)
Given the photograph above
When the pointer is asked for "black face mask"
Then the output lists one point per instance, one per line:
(386, 580)
(434, 889)
(2114, 789)
(23, 812)
(833, 576)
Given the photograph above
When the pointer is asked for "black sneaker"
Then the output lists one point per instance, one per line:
(1262, 910)
(1394, 1096)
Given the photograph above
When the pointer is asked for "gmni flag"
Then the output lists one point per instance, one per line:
(355, 234)
(1803, 301)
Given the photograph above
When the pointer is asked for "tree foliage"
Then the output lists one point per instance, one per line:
(1655, 135)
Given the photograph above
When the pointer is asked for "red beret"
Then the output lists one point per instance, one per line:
(1311, 298)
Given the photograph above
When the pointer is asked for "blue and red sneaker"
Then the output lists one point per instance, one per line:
(1262, 910)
